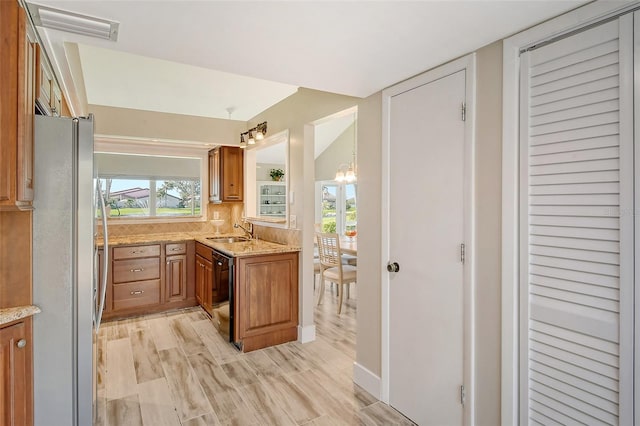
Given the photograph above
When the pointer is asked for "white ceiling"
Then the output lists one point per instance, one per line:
(117, 79)
(187, 50)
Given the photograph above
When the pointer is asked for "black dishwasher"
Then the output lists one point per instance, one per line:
(223, 284)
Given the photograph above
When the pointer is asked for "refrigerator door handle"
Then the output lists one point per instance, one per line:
(105, 255)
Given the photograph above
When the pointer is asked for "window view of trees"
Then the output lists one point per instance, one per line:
(151, 198)
(339, 207)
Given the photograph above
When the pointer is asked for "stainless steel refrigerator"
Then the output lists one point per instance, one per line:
(65, 285)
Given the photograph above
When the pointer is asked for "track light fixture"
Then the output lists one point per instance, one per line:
(254, 134)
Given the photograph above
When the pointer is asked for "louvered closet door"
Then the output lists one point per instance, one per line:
(576, 229)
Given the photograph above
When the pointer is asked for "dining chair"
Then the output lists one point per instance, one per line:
(331, 267)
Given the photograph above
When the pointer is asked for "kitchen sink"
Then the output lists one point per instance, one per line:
(228, 239)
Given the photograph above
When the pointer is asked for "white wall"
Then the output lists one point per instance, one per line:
(133, 123)
(339, 152)
(263, 170)
(488, 207)
(296, 113)
(488, 180)
(369, 232)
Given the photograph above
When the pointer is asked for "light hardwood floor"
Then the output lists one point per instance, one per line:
(175, 369)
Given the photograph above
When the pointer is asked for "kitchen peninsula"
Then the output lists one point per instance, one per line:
(262, 291)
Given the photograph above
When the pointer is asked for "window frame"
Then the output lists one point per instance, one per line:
(341, 203)
(169, 149)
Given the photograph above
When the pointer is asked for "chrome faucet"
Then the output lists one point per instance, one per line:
(248, 231)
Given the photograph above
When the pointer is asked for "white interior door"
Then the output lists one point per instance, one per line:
(576, 229)
(426, 229)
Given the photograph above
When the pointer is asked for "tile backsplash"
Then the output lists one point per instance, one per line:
(229, 212)
(278, 235)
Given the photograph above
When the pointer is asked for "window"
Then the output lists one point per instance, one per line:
(338, 207)
(150, 186)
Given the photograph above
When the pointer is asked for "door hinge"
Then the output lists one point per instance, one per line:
(463, 394)
(462, 253)
(463, 112)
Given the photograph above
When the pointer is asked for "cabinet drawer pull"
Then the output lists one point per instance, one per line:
(136, 270)
(175, 249)
(136, 292)
(21, 343)
(137, 251)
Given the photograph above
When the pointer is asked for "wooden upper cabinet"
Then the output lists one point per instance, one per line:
(26, 107)
(226, 174)
(48, 94)
(18, 70)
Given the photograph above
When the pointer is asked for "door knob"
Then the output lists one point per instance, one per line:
(393, 267)
(21, 343)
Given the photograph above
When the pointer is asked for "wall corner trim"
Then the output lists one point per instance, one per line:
(306, 333)
(367, 380)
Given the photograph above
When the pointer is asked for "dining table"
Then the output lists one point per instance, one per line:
(349, 246)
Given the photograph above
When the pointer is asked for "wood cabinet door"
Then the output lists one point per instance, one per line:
(44, 83)
(199, 279)
(176, 278)
(15, 375)
(232, 173)
(8, 54)
(204, 279)
(207, 287)
(26, 109)
(17, 92)
(214, 175)
(266, 294)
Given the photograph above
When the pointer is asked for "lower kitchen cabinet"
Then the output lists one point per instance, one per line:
(138, 284)
(176, 274)
(16, 371)
(204, 277)
(266, 300)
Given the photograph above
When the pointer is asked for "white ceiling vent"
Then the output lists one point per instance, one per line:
(57, 19)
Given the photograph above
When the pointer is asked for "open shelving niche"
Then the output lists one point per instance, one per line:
(272, 199)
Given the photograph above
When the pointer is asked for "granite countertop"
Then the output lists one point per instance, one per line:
(8, 315)
(248, 248)
(149, 238)
(238, 249)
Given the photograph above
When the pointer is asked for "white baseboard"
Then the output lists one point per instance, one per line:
(367, 380)
(307, 333)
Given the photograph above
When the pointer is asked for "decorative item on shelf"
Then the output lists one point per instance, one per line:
(276, 174)
(347, 172)
(254, 134)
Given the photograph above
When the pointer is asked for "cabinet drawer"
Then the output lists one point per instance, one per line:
(132, 252)
(175, 248)
(136, 270)
(204, 251)
(131, 295)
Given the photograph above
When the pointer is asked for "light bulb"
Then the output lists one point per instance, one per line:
(350, 176)
(259, 135)
(251, 140)
(339, 176)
